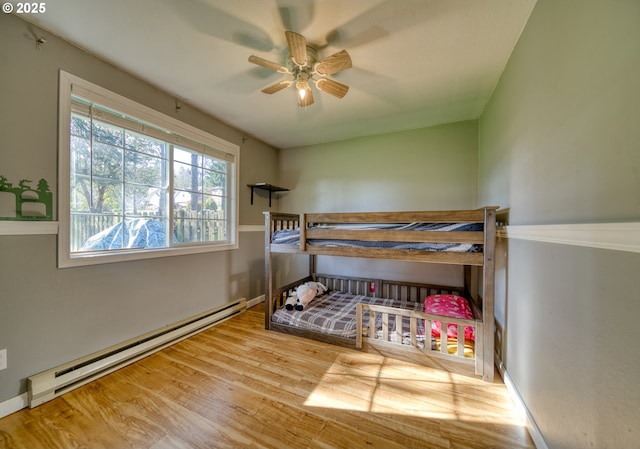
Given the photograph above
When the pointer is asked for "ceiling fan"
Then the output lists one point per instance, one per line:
(303, 66)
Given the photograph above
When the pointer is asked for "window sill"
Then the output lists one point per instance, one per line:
(125, 255)
(12, 227)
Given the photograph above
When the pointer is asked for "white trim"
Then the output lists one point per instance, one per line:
(255, 301)
(251, 228)
(28, 227)
(615, 236)
(69, 83)
(532, 427)
(107, 98)
(13, 405)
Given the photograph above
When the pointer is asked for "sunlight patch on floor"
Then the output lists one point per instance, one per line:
(370, 383)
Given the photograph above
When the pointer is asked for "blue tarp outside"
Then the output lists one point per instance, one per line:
(138, 233)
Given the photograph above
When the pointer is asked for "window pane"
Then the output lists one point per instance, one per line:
(108, 134)
(215, 164)
(145, 144)
(80, 126)
(186, 177)
(116, 232)
(145, 233)
(153, 202)
(144, 170)
(85, 228)
(80, 189)
(214, 183)
(187, 157)
(144, 201)
(195, 204)
(220, 229)
(186, 229)
(107, 161)
(106, 196)
(211, 203)
(80, 155)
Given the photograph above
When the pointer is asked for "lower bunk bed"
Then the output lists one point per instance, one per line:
(397, 316)
(382, 315)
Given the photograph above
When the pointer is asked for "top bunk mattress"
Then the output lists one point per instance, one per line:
(292, 236)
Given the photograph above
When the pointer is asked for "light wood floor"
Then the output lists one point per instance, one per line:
(239, 386)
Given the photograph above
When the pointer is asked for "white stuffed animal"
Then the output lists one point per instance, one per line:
(306, 292)
(292, 300)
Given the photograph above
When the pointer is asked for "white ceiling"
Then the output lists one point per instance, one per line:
(416, 63)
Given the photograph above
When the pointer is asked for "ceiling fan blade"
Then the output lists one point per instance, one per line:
(277, 87)
(308, 98)
(298, 47)
(335, 63)
(295, 14)
(268, 64)
(332, 87)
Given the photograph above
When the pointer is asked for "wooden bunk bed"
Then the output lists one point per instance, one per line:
(401, 322)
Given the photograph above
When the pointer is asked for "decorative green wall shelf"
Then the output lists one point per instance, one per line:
(24, 202)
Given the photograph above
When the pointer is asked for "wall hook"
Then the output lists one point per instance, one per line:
(40, 42)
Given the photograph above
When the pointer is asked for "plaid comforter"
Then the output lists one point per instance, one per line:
(334, 313)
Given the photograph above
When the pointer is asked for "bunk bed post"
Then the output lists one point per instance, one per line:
(488, 283)
(302, 225)
(268, 273)
(471, 283)
(312, 266)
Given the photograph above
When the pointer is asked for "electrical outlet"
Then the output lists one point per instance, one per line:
(3, 359)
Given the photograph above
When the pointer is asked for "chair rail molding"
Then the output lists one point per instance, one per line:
(623, 236)
(15, 227)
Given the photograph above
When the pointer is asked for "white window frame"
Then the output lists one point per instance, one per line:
(72, 84)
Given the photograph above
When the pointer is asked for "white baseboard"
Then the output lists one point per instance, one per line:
(532, 427)
(19, 402)
(255, 301)
(13, 405)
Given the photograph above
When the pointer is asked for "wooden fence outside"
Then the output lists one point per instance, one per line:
(188, 226)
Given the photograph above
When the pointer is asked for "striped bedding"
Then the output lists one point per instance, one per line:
(292, 236)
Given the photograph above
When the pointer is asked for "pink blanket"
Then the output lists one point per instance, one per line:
(452, 306)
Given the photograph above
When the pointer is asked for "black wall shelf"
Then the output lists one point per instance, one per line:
(268, 187)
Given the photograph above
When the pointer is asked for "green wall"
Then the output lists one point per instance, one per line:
(559, 142)
(425, 169)
(50, 316)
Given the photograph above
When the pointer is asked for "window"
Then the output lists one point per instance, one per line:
(136, 184)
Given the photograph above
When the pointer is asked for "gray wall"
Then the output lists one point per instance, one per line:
(50, 316)
(559, 142)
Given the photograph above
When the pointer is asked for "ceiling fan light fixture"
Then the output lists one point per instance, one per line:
(302, 63)
(302, 85)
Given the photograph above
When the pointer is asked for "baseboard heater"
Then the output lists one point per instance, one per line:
(59, 380)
